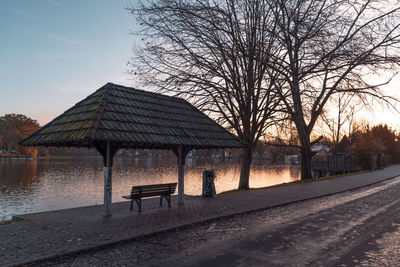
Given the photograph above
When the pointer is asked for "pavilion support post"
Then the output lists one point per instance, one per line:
(108, 180)
(181, 173)
(181, 153)
(107, 150)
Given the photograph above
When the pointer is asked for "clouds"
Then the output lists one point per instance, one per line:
(25, 13)
(64, 39)
(57, 4)
(55, 56)
(28, 14)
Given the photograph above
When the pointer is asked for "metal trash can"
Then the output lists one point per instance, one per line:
(208, 183)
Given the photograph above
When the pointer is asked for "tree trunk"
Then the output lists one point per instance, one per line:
(306, 158)
(378, 161)
(246, 159)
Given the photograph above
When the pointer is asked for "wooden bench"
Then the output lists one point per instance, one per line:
(141, 191)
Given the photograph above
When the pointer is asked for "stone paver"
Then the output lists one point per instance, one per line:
(40, 235)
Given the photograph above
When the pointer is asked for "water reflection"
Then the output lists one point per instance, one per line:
(58, 183)
(23, 173)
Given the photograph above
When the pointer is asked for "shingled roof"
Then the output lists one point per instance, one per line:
(132, 118)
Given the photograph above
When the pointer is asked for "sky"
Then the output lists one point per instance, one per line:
(53, 53)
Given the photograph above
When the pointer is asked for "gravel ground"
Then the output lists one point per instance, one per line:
(182, 243)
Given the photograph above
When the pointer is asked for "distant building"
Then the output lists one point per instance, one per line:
(320, 148)
(291, 160)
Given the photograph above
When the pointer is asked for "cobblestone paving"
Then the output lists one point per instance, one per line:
(387, 252)
(332, 236)
(51, 233)
(379, 244)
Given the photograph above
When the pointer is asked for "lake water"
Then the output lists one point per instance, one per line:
(59, 183)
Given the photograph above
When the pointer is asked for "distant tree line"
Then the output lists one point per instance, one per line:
(16, 127)
(373, 146)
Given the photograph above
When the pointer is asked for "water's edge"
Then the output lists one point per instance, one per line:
(49, 184)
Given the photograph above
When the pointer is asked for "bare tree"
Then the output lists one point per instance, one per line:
(215, 54)
(343, 108)
(330, 47)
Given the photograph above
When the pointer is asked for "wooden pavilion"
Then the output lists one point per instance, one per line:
(116, 116)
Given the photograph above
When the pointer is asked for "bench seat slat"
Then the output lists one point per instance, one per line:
(152, 191)
(143, 187)
(149, 195)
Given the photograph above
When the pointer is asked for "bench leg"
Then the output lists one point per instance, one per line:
(161, 200)
(131, 208)
(168, 197)
(139, 204)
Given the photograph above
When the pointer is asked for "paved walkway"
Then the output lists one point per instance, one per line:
(46, 234)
